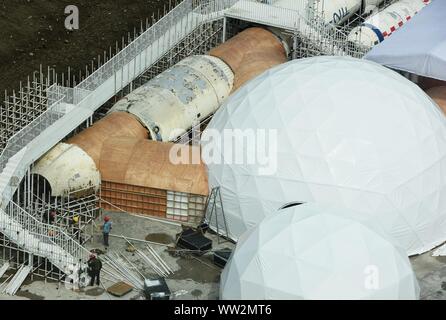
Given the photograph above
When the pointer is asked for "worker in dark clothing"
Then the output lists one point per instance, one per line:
(50, 217)
(94, 269)
(106, 228)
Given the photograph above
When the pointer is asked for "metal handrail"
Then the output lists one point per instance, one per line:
(45, 233)
(32, 229)
(125, 56)
(143, 41)
(42, 122)
(329, 39)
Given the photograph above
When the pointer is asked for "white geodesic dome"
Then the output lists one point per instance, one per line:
(316, 252)
(350, 133)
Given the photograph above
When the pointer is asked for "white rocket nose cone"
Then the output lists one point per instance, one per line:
(68, 168)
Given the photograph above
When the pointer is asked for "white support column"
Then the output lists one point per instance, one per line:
(224, 30)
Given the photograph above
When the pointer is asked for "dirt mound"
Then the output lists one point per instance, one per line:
(33, 33)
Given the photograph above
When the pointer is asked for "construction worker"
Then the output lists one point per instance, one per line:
(76, 230)
(75, 220)
(53, 215)
(49, 217)
(94, 269)
(106, 228)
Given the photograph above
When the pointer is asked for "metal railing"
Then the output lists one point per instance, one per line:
(305, 20)
(60, 248)
(328, 39)
(27, 231)
(23, 137)
(57, 94)
(161, 36)
(152, 35)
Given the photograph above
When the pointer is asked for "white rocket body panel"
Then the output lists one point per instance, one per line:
(381, 25)
(334, 11)
(338, 11)
(64, 178)
(175, 100)
(371, 5)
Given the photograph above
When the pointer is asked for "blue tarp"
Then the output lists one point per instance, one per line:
(418, 47)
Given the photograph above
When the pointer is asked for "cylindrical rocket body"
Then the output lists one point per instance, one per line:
(172, 102)
(162, 109)
(381, 25)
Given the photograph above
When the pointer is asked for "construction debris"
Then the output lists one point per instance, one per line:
(120, 268)
(156, 262)
(194, 240)
(159, 259)
(156, 289)
(130, 248)
(221, 257)
(120, 289)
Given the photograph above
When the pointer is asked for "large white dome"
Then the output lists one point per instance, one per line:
(349, 133)
(314, 252)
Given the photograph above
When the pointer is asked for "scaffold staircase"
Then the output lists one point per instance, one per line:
(67, 108)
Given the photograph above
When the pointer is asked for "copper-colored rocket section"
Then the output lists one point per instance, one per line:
(250, 53)
(147, 163)
(116, 124)
(119, 144)
(438, 94)
(428, 83)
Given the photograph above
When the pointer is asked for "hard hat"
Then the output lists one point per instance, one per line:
(76, 218)
(106, 218)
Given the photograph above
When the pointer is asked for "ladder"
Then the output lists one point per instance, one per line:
(214, 214)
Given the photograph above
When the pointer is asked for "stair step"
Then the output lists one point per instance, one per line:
(6, 175)
(4, 180)
(16, 282)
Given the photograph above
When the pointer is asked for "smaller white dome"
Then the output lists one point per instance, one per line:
(312, 251)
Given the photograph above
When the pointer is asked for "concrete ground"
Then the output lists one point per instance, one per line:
(193, 277)
(431, 275)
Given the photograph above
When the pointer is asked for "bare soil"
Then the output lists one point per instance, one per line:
(32, 32)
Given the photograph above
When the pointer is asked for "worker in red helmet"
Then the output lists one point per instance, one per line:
(106, 228)
(94, 269)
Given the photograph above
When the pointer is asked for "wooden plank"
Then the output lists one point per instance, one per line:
(120, 289)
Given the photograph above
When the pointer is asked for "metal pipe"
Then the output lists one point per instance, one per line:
(158, 258)
(156, 268)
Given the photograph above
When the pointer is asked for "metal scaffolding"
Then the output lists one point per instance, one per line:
(191, 27)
